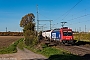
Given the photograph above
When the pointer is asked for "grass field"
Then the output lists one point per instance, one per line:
(5, 41)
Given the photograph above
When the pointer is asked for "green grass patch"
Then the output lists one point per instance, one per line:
(21, 44)
(57, 54)
(10, 49)
(48, 51)
(52, 53)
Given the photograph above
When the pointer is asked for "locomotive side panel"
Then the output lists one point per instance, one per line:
(55, 35)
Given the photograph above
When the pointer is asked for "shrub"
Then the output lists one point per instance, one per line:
(30, 38)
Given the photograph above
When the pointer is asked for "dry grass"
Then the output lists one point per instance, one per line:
(5, 41)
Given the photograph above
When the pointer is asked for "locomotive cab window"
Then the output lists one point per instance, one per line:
(67, 33)
(64, 33)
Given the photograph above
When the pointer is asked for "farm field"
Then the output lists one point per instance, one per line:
(24, 54)
(5, 41)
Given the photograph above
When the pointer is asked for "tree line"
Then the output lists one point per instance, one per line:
(11, 33)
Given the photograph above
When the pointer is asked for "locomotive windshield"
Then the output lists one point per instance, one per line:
(67, 33)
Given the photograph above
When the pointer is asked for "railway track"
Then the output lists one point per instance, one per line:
(80, 50)
(76, 50)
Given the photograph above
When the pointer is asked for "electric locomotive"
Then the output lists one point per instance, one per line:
(63, 35)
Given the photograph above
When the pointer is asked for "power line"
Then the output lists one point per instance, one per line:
(79, 17)
(47, 20)
(44, 16)
(67, 12)
(79, 22)
(80, 12)
(72, 8)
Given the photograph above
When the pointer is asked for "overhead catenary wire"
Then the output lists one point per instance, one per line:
(44, 16)
(72, 19)
(80, 12)
(79, 17)
(42, 20)
(75, 18)
(79, 22)
(71, 9)
(67, 12)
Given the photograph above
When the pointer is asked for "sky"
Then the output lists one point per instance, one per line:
(75, 12)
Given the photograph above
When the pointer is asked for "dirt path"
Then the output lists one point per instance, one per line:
(22, 55)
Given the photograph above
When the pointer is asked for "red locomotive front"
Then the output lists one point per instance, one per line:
(66, 35)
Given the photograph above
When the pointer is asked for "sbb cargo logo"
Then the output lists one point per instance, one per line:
(53, 35)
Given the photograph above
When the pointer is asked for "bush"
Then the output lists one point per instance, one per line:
(30, 38)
